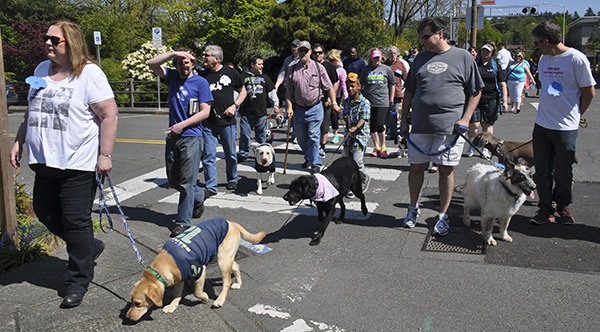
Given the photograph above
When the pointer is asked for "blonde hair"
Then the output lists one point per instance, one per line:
(335, 55)
(79, 54)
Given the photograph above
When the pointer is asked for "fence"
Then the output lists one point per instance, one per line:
(139, 93)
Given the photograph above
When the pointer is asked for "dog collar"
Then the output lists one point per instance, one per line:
(157, 275)
(510, 192)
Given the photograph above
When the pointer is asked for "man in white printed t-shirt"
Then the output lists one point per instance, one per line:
(504, 57)
(568, 90)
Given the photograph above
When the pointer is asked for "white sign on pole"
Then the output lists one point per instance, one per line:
(97, 38)
(156, 34)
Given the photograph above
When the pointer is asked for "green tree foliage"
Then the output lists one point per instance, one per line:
(237, 26)
(335, 23)
(589, 12)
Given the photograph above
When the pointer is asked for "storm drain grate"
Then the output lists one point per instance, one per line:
(459, 240)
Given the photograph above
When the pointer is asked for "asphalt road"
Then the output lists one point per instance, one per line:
(369, 274)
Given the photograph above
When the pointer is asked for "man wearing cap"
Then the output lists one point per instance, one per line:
(306, 82)
(378, 84)
(286, 63)
(443, 88)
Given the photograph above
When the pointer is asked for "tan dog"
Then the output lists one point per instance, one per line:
(506, 151)
(165, 270)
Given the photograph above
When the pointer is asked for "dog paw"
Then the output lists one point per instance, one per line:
(216, 305)
(491, 242)
(315, 241)
(236, 285)
(203, 297)
(169, 309)
(337, 221)
(507, 238)
(259, 191)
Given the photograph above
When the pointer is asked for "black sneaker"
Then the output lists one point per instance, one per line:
(305, 165)
(178, 230)
(98, 249)
(241, 158)
(198, 209)
(316, 169)
(564, 216)
(208, 193)
(231, 186)
(543, 216)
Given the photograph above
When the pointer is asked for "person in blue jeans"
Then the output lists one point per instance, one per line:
(306, 82)
(259, 89)
(189, 105)
(221, 123)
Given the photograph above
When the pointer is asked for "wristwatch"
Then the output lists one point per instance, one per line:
(107, 155)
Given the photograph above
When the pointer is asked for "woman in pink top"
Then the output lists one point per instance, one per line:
(335, 58)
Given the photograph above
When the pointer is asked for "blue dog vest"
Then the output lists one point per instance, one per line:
(197, 246)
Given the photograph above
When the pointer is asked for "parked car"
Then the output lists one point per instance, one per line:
(12, 98)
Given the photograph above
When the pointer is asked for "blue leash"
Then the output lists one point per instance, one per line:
(459, 131)
(102, 206)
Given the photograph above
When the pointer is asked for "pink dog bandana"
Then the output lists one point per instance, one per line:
(325, 190)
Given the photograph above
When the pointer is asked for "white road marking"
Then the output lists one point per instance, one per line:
(271, 204)
(135, 186)
(299, 325)
(535, 105)
(263, 309)
(381, 174)
(257, 248)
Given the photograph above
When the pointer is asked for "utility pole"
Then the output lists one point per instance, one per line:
(474, 19)
(8, 213)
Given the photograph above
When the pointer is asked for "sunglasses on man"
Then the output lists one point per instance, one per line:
(54, 40)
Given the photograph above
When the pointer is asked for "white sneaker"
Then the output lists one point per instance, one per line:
(321, 153)
(410, 220)
(486, 153)
(442, 226)
(470, 152)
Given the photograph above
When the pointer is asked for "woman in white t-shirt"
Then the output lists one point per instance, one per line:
(70, 128)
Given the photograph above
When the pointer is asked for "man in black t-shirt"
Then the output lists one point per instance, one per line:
(253, 110)
(220, 125)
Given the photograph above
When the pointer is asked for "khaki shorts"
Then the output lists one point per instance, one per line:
(432, 143)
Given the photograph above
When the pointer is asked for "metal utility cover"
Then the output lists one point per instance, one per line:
(459, 240)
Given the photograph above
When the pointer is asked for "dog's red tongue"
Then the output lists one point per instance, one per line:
(532, 195)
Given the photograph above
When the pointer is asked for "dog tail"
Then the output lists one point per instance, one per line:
(250, 237)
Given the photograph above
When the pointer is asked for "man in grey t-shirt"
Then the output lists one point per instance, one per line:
(443, 88)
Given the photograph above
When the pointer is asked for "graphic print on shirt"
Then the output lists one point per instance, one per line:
(437, 67)
(50, 107)
(376, 77)
(223, 81)
(182, 94)
(255, 86)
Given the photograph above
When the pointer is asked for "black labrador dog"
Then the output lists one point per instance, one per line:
(343, 174)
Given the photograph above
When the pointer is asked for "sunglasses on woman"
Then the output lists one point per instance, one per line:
(54, 40)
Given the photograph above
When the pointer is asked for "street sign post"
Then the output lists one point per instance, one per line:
(98, 42)
(157, 41)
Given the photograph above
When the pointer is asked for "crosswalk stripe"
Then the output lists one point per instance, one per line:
(535, 105)
(380, 174)
(259, 203)
(136, 186)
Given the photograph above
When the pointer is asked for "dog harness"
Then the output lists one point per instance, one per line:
(197, 246)
(325, 190)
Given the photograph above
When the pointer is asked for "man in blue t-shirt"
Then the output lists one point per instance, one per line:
(189, 105)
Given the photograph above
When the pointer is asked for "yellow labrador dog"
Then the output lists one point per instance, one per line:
(264, 155)
(186, 256)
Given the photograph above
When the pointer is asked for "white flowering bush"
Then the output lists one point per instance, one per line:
(135, 62)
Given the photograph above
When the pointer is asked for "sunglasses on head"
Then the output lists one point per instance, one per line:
(54, 40)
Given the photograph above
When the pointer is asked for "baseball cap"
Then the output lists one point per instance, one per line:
(304, 44)
(375, 54)
(352, 77)
(295, 42)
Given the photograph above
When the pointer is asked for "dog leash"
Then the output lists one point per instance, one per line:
(338, 148)
(104, 207)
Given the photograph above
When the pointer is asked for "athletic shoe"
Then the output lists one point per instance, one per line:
(178, 230)
(486, 153)
(376, 152)
(305, 165)
(365, 183)
(442, 226)
(543, 216)
(470, 152)
(564, 216)
(231, 186)
(335, 139)
(433, 168)
(321, 153)
(208, 193)
(198, 209)
(316, 169)
(410, 220)
(383, 154)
